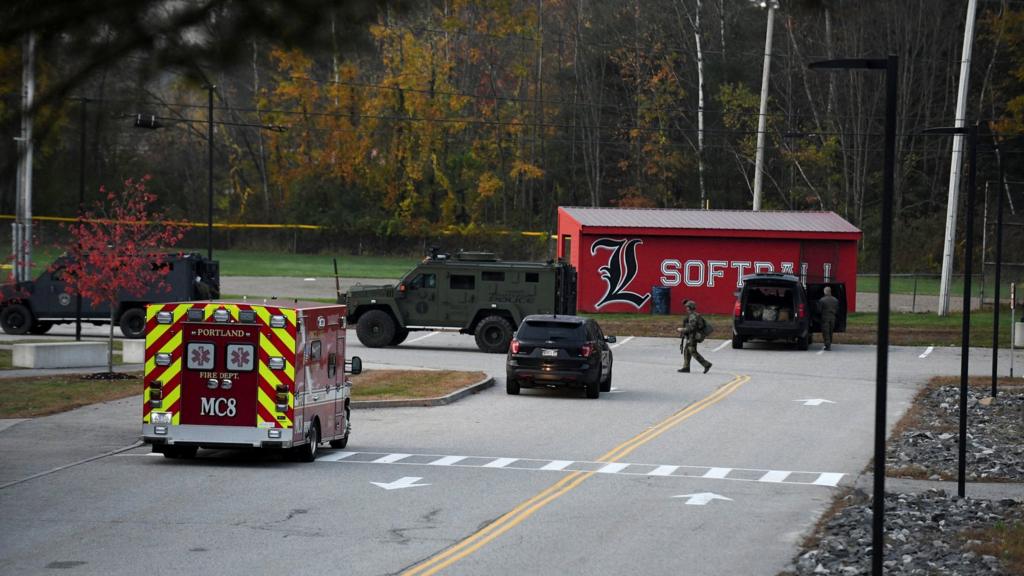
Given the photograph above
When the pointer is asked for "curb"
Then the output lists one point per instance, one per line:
(426, 402)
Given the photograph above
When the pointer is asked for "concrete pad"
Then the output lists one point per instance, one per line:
(60, 355)
(133, 351)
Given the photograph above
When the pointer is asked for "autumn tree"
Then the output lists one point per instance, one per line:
(115, 251)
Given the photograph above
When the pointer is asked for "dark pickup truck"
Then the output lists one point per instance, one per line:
(34, 306)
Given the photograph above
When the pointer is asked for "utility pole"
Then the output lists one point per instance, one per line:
(762, 118)
(956, 161)
(22, 227)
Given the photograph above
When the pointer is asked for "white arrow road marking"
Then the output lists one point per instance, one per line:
(701, 498)
(814, 401)
(621, 342)
(404, 482)
(722, 345)
(927, 351)
(417, 339)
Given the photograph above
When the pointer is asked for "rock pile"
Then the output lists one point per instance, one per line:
(927, 533)
(928, 448)
(933, 532)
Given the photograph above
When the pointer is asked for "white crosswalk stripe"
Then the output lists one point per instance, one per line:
(804, 478)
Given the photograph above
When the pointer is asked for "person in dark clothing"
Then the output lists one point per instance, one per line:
(828, 306)
(692, 333)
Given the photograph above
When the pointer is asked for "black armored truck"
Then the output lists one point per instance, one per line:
(34, 306)
(472, 292)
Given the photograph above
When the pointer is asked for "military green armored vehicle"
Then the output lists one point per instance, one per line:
(472, 292)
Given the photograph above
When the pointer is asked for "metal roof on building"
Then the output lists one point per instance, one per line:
(782, 221)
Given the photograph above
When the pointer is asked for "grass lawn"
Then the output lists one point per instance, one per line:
(924, 329)
(403, 384)
(244, 263)
(31, 397)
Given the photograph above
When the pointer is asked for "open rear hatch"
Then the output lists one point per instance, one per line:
(770, 304)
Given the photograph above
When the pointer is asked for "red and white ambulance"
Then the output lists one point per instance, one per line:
(225, 374)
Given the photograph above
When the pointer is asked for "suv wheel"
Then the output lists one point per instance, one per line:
(376, 329)
(511, 384)
(493, 335)
(606, 386)
(737, 341)
(803, 342)
(594, 386)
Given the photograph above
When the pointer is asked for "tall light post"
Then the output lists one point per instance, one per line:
(890, 65)
(999, 269)
(152, 122)
(965, 336)
(762, 117)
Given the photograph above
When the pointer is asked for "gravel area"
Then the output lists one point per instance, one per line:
(933, 532)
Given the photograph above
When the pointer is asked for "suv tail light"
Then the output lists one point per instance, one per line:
(585, 350)
(737, 310)
(514, 346)
(801, 310)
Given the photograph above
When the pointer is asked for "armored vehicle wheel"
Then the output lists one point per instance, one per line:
(737, 342)
(343, 441)
(16, 319)
(400, 335)
(376, 329)
(307, 452)
(606, 386)
(41, 327)
(493, 334)
(133, 323)
(511, 384)
(594, 386)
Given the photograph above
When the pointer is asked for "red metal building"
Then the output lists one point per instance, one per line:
(622, 254)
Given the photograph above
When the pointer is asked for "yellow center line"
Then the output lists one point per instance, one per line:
(524, 510)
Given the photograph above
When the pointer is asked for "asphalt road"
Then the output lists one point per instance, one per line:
(547, 482)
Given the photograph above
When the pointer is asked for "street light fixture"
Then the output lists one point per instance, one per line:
(890, 65)
(153, 122)
(762, 117)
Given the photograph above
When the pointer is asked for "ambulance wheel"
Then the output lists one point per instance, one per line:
(41, 327)
(133, 323)
(737, 342)
(594, 386)
(307, 452)
(16, 319)
(511, 384)
(606, 386)
(400, 335)
(376, 329)
(493, 335)
(343, 441)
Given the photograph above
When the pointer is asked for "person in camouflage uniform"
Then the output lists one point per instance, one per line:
(692, 333)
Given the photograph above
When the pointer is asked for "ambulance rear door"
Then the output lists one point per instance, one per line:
(219, 377)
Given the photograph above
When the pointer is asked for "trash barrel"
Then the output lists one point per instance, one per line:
(661, 298)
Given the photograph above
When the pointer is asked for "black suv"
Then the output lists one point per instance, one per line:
(555, 350)
(777, 306)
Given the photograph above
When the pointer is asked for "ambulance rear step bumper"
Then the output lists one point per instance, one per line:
(224, 437)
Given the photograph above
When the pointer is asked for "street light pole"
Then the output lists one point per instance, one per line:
(209, 181)
(999, 269)
(965, 334)
(81, 201)
(762, 117)
(891, 67)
